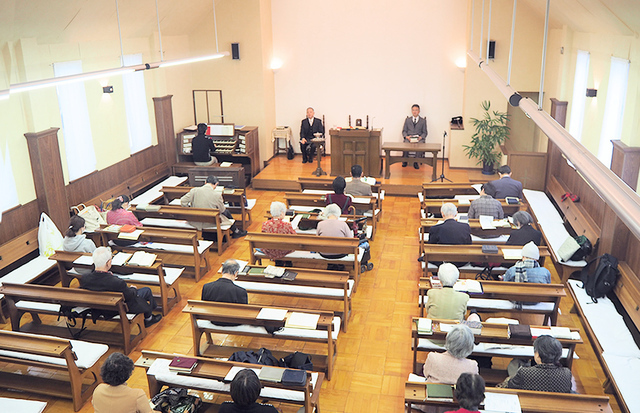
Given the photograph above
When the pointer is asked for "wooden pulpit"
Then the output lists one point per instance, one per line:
(355, 146)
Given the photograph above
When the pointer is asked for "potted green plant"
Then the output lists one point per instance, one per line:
(491, 132)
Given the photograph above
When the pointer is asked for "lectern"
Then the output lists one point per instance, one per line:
(355, 146)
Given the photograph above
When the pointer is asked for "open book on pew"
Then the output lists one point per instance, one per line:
(133, 236)
(276, 314)
(468, 286)
(142, 259)
(302, 320)
(501, 403)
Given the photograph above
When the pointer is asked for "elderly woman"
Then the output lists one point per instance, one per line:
(333, 227)
(245, 390)
(338, 197)
(114, 396)
(445, 303)
(528, 269)
(119, 214)
(469, 393)
(277, 225)
(547, 374)
(524, 233)
(446, 367)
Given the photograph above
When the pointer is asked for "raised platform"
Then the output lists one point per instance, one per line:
(282, 174)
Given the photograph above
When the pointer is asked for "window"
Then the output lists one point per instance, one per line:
(579, 95)
(9, 197)
(76, 127)
(135, 103)
(613, 108)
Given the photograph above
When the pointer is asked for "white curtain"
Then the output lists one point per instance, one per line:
(9, 197)
(614, 108)
(579, 95)
(135, 103)
(76, 126)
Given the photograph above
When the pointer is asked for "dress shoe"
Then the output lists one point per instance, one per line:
(416, 165)
(154, 319)
(239, 234)
(404, 164)
(304, 161)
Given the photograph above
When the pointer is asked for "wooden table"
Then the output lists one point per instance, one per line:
(387, 147)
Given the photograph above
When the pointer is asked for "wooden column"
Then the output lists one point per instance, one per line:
(625, 162)
(46, 166)
(559, 111)
(165, 129)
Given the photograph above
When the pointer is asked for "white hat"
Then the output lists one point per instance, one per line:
(530, 250)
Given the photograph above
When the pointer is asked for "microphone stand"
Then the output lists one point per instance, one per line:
(442, 178)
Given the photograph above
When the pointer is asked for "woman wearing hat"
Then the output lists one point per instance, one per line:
(528, 269)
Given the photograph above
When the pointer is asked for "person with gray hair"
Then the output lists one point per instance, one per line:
(224, 290)
(277, 225)
(525, 232)
(446, 303)
(331, 226)
(138, 300)
(450, 231)
(448, 366)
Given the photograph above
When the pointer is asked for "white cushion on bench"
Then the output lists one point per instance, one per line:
(88, 354)
(497, 349)
(500, 239)
(170, 276)
(297, 289)
(285, 332)
(468, 267)
(25, 305)
(22, 405)
(187, 249)
(490, 303)
(624, 371)
(542, 207)
(28, 272)
(315, 255)
(166, 223)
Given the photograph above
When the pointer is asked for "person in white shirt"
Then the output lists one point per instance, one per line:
(414, 126)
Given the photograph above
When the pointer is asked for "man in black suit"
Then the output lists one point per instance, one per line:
(450, 231)
(101, 279)
(414, 127)
(223, 290)
(506, 186)
(309, 126)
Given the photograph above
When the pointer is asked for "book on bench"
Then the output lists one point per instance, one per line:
(468, 286)
(439, 392)
(302, 320)
(142, 259)
(273, 374)
(183, 364)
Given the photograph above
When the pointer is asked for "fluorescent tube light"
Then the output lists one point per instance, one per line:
(80, 77)
(4, 94)
(176, 62)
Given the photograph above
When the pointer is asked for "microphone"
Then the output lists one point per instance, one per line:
(445, 134)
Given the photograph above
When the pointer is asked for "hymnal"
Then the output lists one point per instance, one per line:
(520, 331)
(289, 275)
(277, 314)
(425, 326)
(302, 320)
(183, 364)
(489, 249)
(273, 374)
(437, 391)
(468, 286)
(142, 259)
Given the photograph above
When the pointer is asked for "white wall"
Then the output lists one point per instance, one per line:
(369, 57)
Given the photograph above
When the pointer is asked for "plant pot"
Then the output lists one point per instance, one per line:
(487, 169)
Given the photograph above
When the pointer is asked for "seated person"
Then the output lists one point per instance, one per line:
(469, 393)
(120, 214)
(333, 227)
(201, 146)
(245, 390)
(524, 233)
(547, 374)
(528, 269)
(446, 367)
(223, 289)
(101, 279)
(206, 196)
(114, 396)
(356, 187)
(309, 126)
(74, 239)
(445, 303)
(506, 186)
(450, 231)
(486, 204)
(338, 197)
(277, 225)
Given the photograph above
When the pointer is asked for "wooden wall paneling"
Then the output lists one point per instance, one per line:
(19, 220)
(530, 168)
(632, 257)
(559, 111)
(165, 129)
(46, 166)
(625, 162)
(614, 236)
(589, 198)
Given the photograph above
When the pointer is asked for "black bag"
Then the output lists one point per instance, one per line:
(599, 283)
(263, 356)
(585, 248)
(176, 400)
(290, 153)
(298, 360)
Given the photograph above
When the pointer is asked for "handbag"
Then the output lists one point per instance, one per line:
(92, 218)
(290, 153)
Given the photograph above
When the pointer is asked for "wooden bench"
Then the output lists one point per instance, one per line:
(80, 360)
(497, 236)
(165, 279)
(205, 315)
(174, 246)
(447, 190)
(325, 185)
(306, 250)
(155, 193)
(612, 341)
(17, 265)
(309, 221)
(209, 376)
(432, 206)
(40, 299)
(308, 284)
(178, 217)
(530, 401)
(499, 296)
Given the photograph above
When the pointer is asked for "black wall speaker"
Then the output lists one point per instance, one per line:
(235, 51)
(492, 49)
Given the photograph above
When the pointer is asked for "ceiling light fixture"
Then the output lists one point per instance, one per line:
(63, 80)
(169, 63)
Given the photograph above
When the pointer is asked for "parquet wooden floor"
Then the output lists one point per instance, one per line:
(374, 357)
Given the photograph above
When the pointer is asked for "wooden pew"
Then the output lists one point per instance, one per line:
(447, 190)
(530, 401)
(41, 299)
(205, 315)
(156, 276)
(216, 370)
(308, 184)
(155, 194)
(187, 250)
(432, 206)
(173, 217)
(503, 293)
(308, 284)
(51, 354)
(302, 247)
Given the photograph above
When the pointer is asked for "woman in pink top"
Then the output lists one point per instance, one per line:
(448, 366)
(119, 214)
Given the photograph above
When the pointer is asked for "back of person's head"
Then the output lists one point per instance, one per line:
(522, 218)
(448, 274)
(449, 210)
(356, 171)
(212, 180)
(117, 203)
(469, 392)
(531, 250)
(277, 208)
(230, 266)
(245, 388)
(75, 223)
(202, 128)
(101, 256)
(548, 348)
(504, 170)
(116, 369)
(489, 189)
(459, 341)
(332, 210)
(338, 185)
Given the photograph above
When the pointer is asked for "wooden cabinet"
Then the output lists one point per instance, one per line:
(355, 146)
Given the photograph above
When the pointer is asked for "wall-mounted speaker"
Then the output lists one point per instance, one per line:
(235, 51)
(492, 49)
